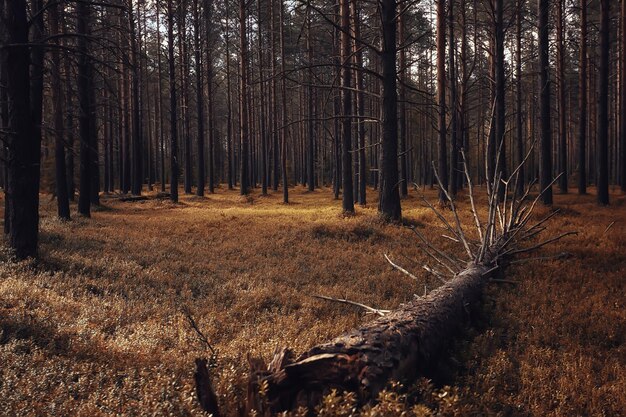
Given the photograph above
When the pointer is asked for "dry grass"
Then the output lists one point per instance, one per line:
(95, 327)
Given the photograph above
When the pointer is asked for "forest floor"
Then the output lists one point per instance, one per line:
(97, 325)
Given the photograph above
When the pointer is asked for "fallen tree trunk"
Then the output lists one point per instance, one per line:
(403, 343)
(396, 347)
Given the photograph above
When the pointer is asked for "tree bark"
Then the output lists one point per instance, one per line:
(173, 105)
(560, 20)
(545, 173)
(389, 202)
(500, 80)
(397, 347)
(583, 124)
(23, 142)
(622, 115)
(346, 82)
(86, 99)
(243, 99)
(441, 97)
(454, 146)
(63, 204)
(136, 159)
(603, 101)
(519, 124)
(199, 98)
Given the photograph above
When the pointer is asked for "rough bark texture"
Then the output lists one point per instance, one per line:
(582, 132)
(346, 82)
(389, 203)
(173, 105)
(87, 107)
(603, 108)
(23, 143)
(441, 95)
(243, 99)
(398, 347)
(545, 173)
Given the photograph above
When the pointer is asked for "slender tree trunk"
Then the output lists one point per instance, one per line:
(603, 99)
(173, 104)
(159, 100)
(229, 106)
(622, 90)
(208, 10)
(441, 96)
(346, 83)
(337, 106)
(404, 187)
(310, 151)
(463, 96)
(545, 174)
(243, 99)
(454, 146)
(63, 204)
(500, 80)
(284, 129)
(360, 106)
(136, 159)
(583, 124)
(262, 104)
(86, 107)
(199, 98)
(519, 125)
(560, 22)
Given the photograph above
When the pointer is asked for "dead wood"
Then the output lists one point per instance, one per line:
(396, 347)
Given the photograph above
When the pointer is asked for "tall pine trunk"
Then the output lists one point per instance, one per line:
(603, 109)
(583, 123)
(346, 83)
(545, 174)
(389, 202)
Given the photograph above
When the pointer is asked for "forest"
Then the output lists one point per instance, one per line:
(313, 208)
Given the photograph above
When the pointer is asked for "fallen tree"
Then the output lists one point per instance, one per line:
(402, 344)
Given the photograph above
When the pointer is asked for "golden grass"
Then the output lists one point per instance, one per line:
(95, 327)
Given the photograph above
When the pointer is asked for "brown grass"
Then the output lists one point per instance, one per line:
(95, 327)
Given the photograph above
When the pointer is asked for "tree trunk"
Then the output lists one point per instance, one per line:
(284, 104)
(86, 99)
(545, 173)
(519, 125)
(23, 142)
(404, 186)
(243, 99)
(389, 202)
(346, 82)
(583, 124)
(454, 146)
(603, 101)
(310, 150)
(136, 159)
(397, 347)
(441, 97)
(500, 80)
(173, 105)
(360, 108)
(63, 204)
(199, 97)
(622, 115)
(560, 31)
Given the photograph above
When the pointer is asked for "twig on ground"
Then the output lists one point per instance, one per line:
(353, 303)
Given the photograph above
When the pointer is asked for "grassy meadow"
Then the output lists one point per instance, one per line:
(97, 327)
